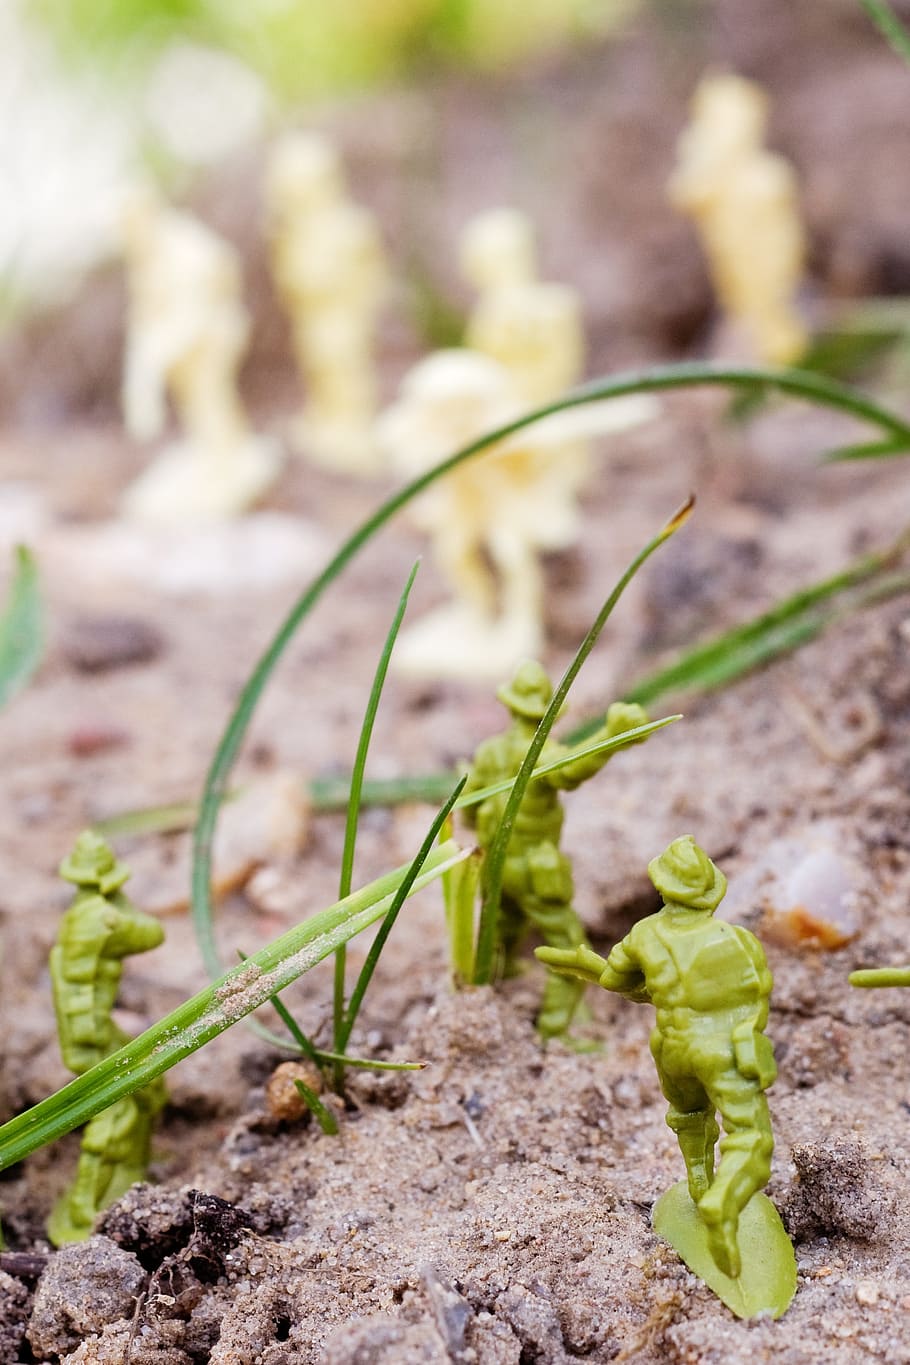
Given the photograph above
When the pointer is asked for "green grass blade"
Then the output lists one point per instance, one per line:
(350, 829)
(603, 746)
(787, 625)
(865, 450)
(811, 387)
(379, 942)
(284, 1014)
(331, 793)
(888, 24)
(363, 743)
(459, 889)
(370, 1063)
(496, 854)
(324, 1117)
(21, 627)
(194, 1023)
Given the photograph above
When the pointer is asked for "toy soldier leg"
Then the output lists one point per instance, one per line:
(745, 1162)
(112, 1157)
(511, 931)
(205, 395)
(690, 1114)
(461, 561)
(559, 927)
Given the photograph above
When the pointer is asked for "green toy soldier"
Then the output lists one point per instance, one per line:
(537, 888)
(98, 931)
(710, 984)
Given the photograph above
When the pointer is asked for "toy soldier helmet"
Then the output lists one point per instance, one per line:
(529, 693)
(685, 875)
(92, 863)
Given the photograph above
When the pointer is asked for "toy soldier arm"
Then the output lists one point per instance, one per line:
(753, 1051)
(619, 972)
(581, 962)
(623, 974)
(621, 716)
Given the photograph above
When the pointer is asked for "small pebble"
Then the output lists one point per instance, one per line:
(87, 740)
(866, 1293)
(96, 644)
(282, 1096)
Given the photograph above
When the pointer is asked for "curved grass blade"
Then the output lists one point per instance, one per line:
(379, 942)
(194, 1023)
(21, 627)
(496, 854)
(812, 387)
(888, 24)
(350, 828)
(866, 450)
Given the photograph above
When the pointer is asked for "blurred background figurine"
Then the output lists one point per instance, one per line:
(488, 520)
(330, 271)
(187, 334)
(744, 202)
(532, 328)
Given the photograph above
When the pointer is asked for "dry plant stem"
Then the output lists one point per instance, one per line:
(339, 1032)
(496, 855)
(193, 1024)
(793, 382)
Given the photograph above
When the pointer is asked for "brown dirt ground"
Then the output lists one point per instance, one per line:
(494, 1207)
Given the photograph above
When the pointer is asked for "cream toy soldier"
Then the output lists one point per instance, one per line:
(710, 985)
(532, 328)
(743, 200)
(488, 519)
(330, 271)
(537, 889)
(98, 931)
(187, 334)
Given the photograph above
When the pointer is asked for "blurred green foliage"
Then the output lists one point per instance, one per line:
(306, 48)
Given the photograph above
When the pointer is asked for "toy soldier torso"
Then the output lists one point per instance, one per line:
(540, 815)
(699, 971)
(535, 331)
(333, 256)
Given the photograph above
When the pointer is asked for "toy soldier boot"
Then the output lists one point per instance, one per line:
(696, 1133)
(744, 1167)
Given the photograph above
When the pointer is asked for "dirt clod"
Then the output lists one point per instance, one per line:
(84, 1287)
(838, 1191)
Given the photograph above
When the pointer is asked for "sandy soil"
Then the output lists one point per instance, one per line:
(494, 1207)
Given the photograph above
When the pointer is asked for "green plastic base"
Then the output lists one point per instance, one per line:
(768, 1279)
